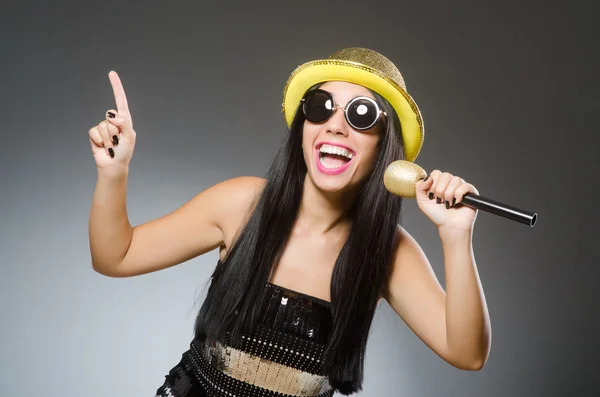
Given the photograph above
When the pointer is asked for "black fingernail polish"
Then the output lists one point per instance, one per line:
(111, 152)
(453, 201)
(438, 200)
(111, 115)
(430, 196)
(425, 180)
(115, 139)
(447, 203)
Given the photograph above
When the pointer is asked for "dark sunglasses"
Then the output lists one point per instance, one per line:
(361, 112)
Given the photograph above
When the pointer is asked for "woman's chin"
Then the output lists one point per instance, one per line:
(341, 183)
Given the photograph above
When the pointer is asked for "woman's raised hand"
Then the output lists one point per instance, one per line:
(113, 139)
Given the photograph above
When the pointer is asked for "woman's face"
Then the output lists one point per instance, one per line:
(335, 172)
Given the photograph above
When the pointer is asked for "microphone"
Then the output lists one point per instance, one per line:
(401, 176)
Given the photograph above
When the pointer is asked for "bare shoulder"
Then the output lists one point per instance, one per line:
(404, 238)
(231, 200)
(241, 190)
(237, 198)
(223, 200)
(409, 263)
(406, 243)
(243, 187)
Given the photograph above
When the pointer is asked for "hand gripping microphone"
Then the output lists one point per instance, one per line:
(401, 176)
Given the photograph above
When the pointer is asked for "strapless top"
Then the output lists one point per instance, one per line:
(282, 357)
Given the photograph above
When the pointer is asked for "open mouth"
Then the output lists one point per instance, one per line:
(333, 157)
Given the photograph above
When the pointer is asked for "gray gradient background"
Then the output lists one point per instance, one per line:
(509, 95)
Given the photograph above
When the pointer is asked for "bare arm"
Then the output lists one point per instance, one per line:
(110, 232)
(197, 227)
(454, 325)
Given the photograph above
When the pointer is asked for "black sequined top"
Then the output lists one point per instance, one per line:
(282, 358)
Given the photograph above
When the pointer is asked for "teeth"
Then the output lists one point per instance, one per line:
(336, 150)
(331, 167)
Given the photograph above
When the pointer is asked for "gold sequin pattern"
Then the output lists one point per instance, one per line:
(401, 177)
(265, 373)
(372, 59)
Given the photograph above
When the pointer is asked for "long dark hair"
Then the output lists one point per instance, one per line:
(361, 270)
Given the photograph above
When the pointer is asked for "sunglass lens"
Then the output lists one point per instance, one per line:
(362, 114)
(318, 106)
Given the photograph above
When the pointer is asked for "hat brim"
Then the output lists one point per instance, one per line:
(315, 72)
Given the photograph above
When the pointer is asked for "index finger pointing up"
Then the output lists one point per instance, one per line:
(119, 92)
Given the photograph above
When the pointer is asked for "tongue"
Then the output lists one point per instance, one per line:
(334, 160)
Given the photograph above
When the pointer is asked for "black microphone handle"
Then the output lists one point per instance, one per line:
(486, 204)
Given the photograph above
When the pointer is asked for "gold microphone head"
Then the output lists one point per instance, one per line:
(401, 177)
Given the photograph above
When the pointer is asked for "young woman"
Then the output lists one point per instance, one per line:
(306, 253)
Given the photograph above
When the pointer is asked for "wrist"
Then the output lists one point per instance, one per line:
(115, 174)
(453, 234)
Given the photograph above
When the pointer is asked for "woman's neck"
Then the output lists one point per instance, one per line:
(321, 212)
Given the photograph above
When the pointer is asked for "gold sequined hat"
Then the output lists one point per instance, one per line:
(369, 69)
